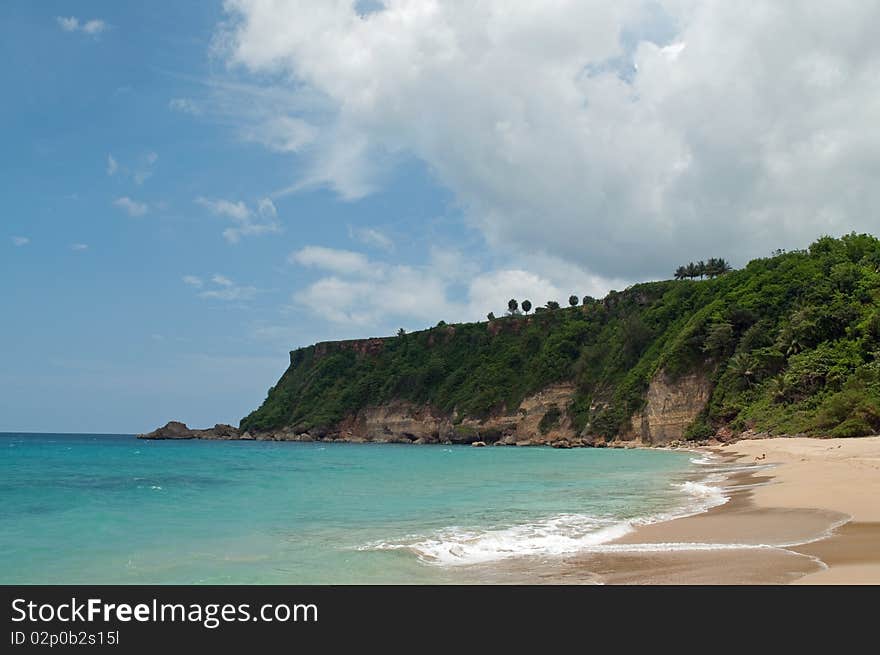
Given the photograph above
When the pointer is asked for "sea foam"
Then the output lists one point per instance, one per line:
(559, 535)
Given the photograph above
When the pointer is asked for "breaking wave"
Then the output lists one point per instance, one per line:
(559, 535)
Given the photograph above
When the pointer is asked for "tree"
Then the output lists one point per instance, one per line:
(491, 316)
(691, 270)
(719, 338)
(711, 267)
(681, 273)
(723, 267)
(401, 332)
(527, 306)
(512, 305)
(588, 300)
(573, 300)
(552, 304)
(701, 268)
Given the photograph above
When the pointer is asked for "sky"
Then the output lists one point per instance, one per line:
(192, 190)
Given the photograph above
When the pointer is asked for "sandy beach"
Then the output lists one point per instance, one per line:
(803, 511)
(831, 475)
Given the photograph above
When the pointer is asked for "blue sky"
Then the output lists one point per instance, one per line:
(103, 333)
(190, 192)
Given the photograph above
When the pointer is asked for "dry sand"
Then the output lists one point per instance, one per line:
(804, 511)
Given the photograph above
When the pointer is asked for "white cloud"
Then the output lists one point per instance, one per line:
(267, 208)
(371, 237)
(360, 291)
(94, 26)
(281, 133)
(132, 207)
(112, 165)
(69, 24)
(246, 221)
(20, 241)
(193, 281)
(185, 106)
(331, 259)
(91, 27)
(223, 289)
(624, 137)
(79, 247)
(237, 211)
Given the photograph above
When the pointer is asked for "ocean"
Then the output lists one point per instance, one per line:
(114, 509)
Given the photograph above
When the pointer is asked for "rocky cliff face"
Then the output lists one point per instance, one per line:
(541, 419)
(670, 407)
(404, 422)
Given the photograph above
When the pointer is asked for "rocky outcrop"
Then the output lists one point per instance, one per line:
(670, 407)
(178, 430)
(539, 420)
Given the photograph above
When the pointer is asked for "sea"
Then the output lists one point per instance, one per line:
(98, 508)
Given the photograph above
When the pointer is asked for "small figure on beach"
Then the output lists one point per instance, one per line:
(763, 456)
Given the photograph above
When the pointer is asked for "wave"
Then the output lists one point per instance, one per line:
(559, 535)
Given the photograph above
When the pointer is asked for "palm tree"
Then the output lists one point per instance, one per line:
(573, 300)
(712, 267)
(527, 306)
(723, 267)
(681, 273)
(691, 270)
(701, 268)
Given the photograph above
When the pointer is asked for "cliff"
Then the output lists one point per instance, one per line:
(787, 344)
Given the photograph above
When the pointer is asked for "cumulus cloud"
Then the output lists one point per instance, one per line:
(331, 259)
(193, 281)
(621, 137)
(79, 247)
(112, 165)
(247, 222)
(354, 289)
(91, 27)
(131, 207)
(20, 241)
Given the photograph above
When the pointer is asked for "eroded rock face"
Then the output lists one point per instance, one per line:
(405, 422)
(670, 407)
(178, 430)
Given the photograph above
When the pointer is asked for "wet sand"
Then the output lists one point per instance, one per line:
(808, 511)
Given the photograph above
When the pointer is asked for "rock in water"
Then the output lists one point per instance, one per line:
(178, 430)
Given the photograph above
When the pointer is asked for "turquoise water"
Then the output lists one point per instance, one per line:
(114, 509)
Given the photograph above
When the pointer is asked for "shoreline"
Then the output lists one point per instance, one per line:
(798, 510)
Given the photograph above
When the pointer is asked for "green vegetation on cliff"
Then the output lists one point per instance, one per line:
(790, 343)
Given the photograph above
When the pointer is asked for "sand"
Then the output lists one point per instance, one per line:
(838, 475)
(803, 511)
